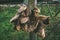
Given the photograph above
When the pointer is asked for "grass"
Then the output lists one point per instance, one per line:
(6, 28)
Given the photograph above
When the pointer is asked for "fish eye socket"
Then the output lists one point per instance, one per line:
(36, 12)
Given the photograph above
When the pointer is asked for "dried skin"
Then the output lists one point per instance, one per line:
(34, 19)
(41, 33)
(18, 28)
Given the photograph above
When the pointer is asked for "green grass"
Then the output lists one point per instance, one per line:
(6, 28)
